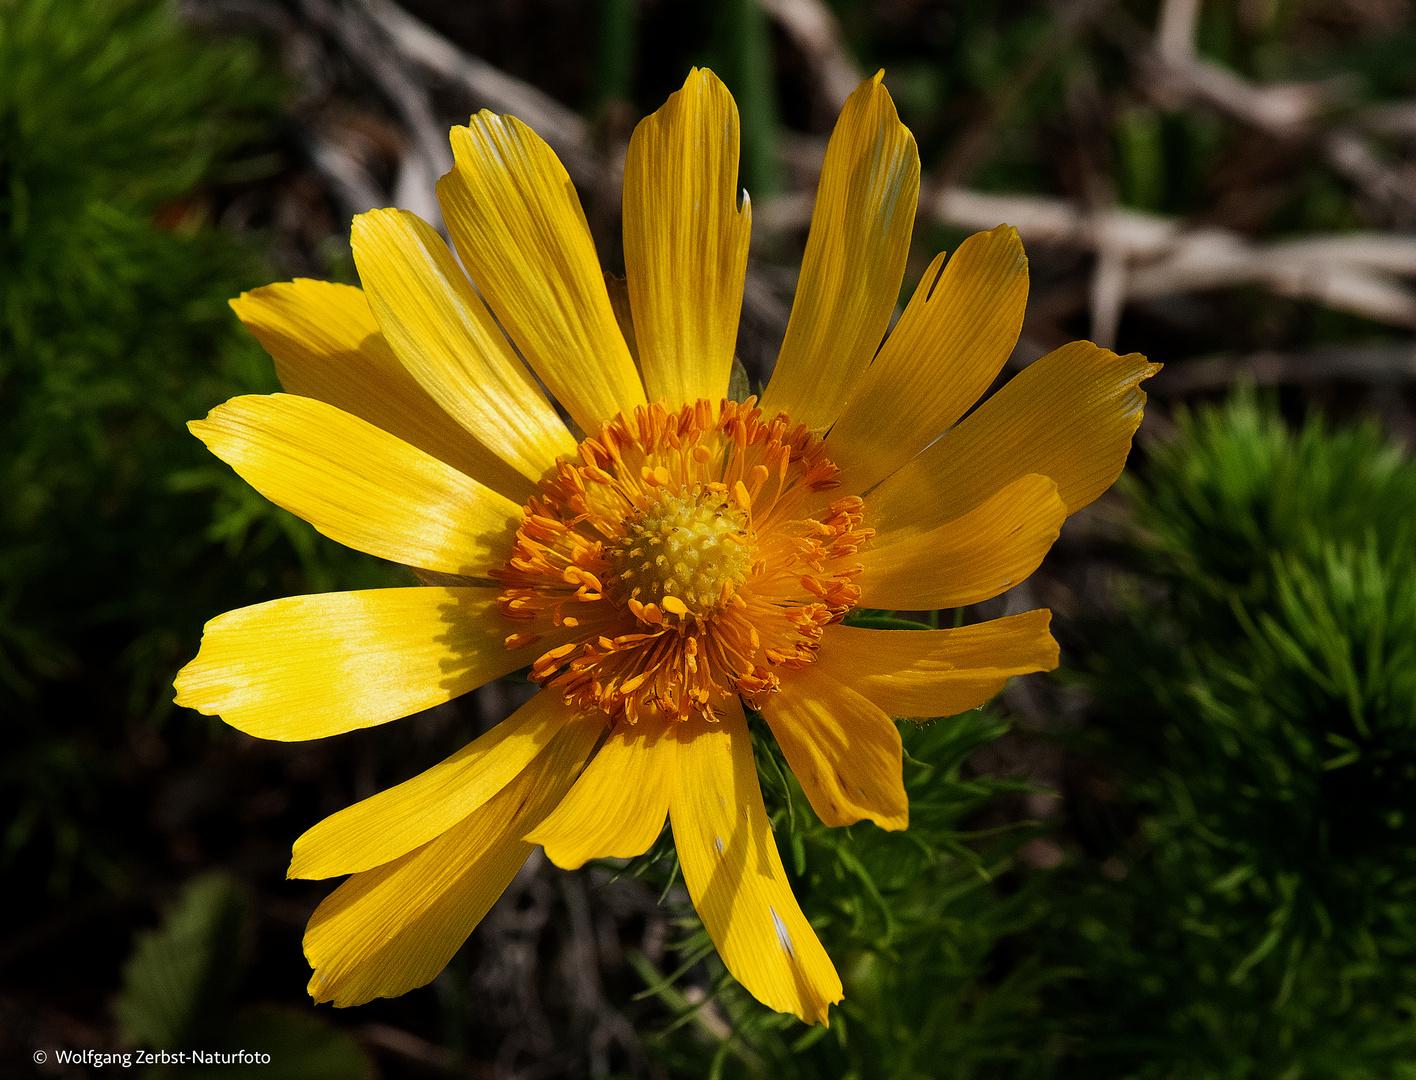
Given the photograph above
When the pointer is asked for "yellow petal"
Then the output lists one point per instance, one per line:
(445, 337)
(361, 486)
(937, 672)
(948, 346)
(327, 345)
(989, 549)
(1069, 416)
(685, 241)
(392, 823)
(304, 667)
(844, 751)
(734, 873)
(617, 807)
(518, 226)
(855, 260)
(389, 930)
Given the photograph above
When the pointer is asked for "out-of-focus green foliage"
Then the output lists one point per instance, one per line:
(1239, 489)
(119, 534)
(743, 58)
(179, 977)
(1260, 711)
(177, 991)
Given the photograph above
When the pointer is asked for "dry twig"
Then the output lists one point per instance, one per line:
(1173, 73)
(353, 187)
(1156, 256)
(566, 133)
(1380, 365)
(814, 29)
(430, 156)
(1350, 272)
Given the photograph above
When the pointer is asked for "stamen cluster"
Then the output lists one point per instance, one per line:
(687, 556)
(691, 552)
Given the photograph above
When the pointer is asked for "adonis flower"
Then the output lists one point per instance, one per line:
(686, 555)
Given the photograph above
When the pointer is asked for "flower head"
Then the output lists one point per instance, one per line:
(686, 555)
(691, 555)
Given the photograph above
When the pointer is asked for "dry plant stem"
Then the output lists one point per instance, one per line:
(430, 157)
(1143, 255)
(1336, 271)
(566, 133)
(1171, 71)
(1107, 295)
(353, 187)
(1175, 34)
(1391, 191)
(1283, 110)
(1378, 366)
(814, 29)
(1139, 255)
(1397, 119)
(1350, 272)
(1288, 111)
(1106, 292)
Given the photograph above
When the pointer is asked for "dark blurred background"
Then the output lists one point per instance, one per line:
(1190, 853)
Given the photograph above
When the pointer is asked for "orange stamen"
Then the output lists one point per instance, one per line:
(690, 574)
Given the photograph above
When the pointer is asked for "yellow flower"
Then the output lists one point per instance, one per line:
(689, 554)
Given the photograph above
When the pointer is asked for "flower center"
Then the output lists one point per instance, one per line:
(685, 557)
(691, 551)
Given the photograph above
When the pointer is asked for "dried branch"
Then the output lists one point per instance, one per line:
(1391, 191)
(1171, 72)
(1283, 110)
(1175, 31)
(1350, 272)
(566, 133)
(1141, 255)
(430, 156)
(1045, 220)
(1107, 295)
(1397, 118)
(1375, 365)
(1087, 117)
(349, 181)
(1335, 271)
(814, 29)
